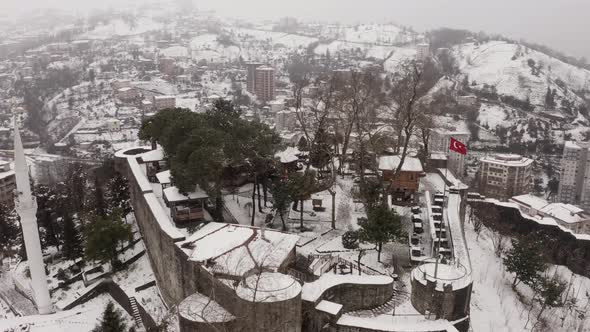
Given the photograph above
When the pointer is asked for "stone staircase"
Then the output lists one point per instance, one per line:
(399, 297)
(136, 315)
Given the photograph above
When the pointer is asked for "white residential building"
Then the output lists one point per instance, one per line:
(503, 176)
(440, 142)
(422, 51)
(574, 184)
(285, 120)
(163, 102)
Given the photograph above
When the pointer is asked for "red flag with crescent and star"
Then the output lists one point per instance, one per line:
(458, 147)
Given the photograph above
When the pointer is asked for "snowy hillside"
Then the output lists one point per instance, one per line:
(119, 27)
(520, 72)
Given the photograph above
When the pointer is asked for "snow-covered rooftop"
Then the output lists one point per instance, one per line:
(565, 213)
(313, 290)
(236, 249)
(200, 308)
(268, 287)
(163, 97)
(512, 160)
(172, 194)
(164, 177)
(390, 163)
(6, 174)
(289, 155)
(152, 155)
(396, 323)
(329, 307)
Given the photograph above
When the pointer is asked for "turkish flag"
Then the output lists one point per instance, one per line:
(458, 147)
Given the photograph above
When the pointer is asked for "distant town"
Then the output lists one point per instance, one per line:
(166, 169)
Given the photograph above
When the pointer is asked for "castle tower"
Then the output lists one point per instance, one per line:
(26, 206)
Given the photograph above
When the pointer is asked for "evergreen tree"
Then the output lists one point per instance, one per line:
(72, 245)
(9, 230)
(103, 237)
(47, 216)
(525, 260)
(111, 321)
(76, 178)
(381, 226)
(22, 250)
(551, 291)
(95, 203)
(118, 194)
(201, 146)
(282, 198)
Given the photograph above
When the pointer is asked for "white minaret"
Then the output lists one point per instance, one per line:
(26, 206)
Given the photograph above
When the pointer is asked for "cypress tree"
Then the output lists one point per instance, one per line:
(111, 320)
(72, 247)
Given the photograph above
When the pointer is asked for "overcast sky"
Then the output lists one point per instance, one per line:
(561, 24)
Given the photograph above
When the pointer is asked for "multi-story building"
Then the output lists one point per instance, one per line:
(251, 76)
(503, 176)
(166, 65)
(163, 102)
(7, 184)
(285, 120)
(574, 184)
(265, 83)
(439, 144)
(422, 51)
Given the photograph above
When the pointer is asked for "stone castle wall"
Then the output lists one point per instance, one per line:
(178, 277)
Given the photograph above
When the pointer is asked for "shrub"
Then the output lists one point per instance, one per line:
(61, 275)
(350, 240)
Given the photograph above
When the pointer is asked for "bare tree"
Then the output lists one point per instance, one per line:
(410, 84)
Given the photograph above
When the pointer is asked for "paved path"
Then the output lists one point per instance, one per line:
(17, 302)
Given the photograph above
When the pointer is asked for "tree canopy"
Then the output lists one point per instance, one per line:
(111, 321)
(200, 145)
(103, 237)
(525, 260)
(381, 226)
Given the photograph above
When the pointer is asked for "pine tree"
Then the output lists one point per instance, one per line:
(72, 240)
(103, 237)
(381, 226)
(282, 198)
(99, 201)
(118, 194)
(525, 260)
(9, 231)
(111, 320)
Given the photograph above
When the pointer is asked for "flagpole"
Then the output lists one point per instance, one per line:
(437, 257)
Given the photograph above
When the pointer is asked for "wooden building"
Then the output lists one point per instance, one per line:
(404, 185)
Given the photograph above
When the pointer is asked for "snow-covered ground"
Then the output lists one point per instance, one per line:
(495, 306)
(120, 28)
(81, 319)
(506, 66)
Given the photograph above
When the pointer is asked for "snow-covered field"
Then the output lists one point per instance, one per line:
(506, 66)
(118, 27)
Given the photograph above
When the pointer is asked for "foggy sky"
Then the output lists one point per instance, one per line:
(560, 24)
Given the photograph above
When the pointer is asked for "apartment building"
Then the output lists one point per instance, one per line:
(574, 183)
(265, 83)
(503, 176)
(7, 184)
